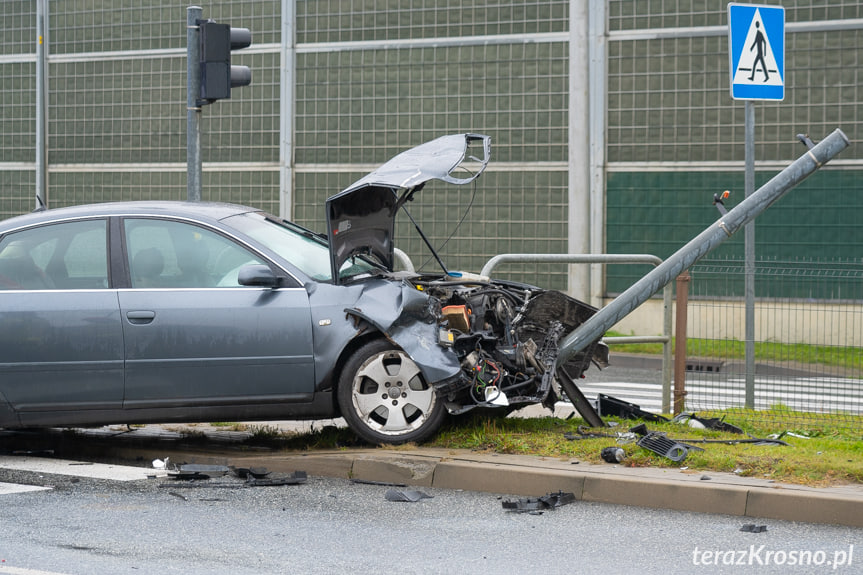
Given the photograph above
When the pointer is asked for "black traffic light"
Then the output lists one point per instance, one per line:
(217, 74)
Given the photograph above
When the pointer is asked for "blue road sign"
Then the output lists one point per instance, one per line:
(756, 46)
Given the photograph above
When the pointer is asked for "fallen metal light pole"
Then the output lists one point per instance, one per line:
(698, 247)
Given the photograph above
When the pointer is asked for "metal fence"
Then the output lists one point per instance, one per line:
(611, 122)
(808, 351)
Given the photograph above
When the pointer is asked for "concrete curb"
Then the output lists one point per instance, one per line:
(529, 476)
(519, 475)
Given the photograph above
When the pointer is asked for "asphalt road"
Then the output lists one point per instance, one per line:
(326, 526)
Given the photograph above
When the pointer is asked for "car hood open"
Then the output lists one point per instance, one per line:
(361, 218)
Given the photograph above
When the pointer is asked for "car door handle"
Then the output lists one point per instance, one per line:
(140, 317)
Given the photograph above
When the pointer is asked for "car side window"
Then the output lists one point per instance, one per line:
(71, 255)
(169, 254)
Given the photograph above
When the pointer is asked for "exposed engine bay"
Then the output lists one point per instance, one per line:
(505, 336)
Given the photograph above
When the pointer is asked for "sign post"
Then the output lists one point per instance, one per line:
(756, 50)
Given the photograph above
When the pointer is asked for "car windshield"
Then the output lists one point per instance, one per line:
(304, 249)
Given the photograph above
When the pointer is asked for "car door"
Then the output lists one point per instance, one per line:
(194, 336)
(60, 334)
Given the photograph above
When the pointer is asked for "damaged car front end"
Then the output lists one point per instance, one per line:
(455, 341)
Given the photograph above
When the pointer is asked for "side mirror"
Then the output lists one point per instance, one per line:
(257, 275)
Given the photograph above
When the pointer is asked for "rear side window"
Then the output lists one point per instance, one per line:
(71, 255)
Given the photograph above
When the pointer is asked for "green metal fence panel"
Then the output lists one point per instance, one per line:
(658, 212)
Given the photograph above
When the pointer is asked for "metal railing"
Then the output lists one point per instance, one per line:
(664, 339)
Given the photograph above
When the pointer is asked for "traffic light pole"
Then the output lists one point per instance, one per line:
(193, 108)
(701, 245)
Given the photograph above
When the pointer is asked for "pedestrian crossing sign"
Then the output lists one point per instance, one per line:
(756, 46)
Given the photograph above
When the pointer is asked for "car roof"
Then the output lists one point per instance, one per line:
(204, 211)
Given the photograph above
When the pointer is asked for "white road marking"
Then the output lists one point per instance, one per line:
(77, 468)
(5, 569)
(9, 488)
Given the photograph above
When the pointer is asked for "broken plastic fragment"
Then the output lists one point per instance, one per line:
(534, 505)
(609, 405)
(197, 471)
(246, 472)
(752, 528)
(658, 443)
(713, 423)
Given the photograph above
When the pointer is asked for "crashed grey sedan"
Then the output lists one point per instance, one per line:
(158, 312)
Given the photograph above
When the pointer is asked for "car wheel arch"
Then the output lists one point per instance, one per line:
(425, 412)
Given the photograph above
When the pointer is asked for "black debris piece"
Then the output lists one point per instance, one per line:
(719, 425)
(197, 471)
(640, 429)
(296, 478)
(617, 407)
(539, 504)
(406, 495)
(612, 454)
(752, 528)
(657, 442)
(246, 472)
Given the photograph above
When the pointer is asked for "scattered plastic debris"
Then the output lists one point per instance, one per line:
(253, 476)
(537, 505)
(752, 528)
(406, 495)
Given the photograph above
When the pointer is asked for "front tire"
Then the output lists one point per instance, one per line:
(384, 397)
